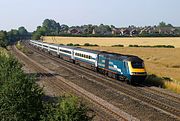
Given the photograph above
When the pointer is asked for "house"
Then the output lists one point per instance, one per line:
(116, 31)
(134, 32)
(167, 30)
(72, 31)
(75, 31)
(125, 32)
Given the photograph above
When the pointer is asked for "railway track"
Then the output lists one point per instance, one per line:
(98, 102)
(154, 90)
(137, 93)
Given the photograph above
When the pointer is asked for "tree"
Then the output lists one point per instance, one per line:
(52, 27)
(13, 35)
(163, 24)
(49, 27)
(3, 39)
(64, 28)
(21, 98)
(40, 31)
(22, 31)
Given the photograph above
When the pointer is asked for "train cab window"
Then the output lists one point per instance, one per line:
(137, 64)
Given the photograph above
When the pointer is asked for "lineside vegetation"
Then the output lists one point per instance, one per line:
(23, 100)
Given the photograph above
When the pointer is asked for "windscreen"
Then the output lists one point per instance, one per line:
(137, 64)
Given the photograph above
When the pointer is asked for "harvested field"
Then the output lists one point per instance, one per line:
(175, 41)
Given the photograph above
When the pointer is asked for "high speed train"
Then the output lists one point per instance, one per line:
(129, 68)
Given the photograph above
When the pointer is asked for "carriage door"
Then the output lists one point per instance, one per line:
(107, 63)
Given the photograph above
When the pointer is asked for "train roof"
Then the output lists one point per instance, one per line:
(88, 50)
(63, 46)
(68, 47)
(123, 57)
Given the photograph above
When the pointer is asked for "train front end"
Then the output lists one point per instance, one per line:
(137, 70)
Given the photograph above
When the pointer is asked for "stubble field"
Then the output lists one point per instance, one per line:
(175, 41)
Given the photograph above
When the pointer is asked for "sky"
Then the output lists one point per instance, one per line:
(121, 13)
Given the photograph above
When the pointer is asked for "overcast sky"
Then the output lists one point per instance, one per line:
(31, 13)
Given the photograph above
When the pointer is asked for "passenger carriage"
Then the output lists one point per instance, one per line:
(86, 58)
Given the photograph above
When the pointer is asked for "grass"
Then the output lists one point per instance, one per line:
(22, 48)
(163, 82)
(3, 51)
(174, 86)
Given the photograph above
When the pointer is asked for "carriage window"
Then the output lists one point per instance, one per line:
(65, 51)
(53, 48)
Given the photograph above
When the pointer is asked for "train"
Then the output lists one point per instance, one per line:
(128, 68)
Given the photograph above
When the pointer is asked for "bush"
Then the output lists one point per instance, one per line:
(153, 80)
(163, 82)
(164, 46)
(133, 46)
(70, 44)
(21, 98)
(87, 44)
(69, 108)
(155, 46)
(77, 45)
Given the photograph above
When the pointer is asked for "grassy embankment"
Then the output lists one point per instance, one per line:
(22, 48)
(4, 52)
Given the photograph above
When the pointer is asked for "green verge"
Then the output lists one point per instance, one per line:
(23, 100)
(163, 82)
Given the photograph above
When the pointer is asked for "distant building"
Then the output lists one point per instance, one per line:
(134, 32)
(116, 31)
(125, 32)
(93, 32)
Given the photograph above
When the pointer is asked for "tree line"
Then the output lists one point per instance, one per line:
(52, 28)
(14, 35)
